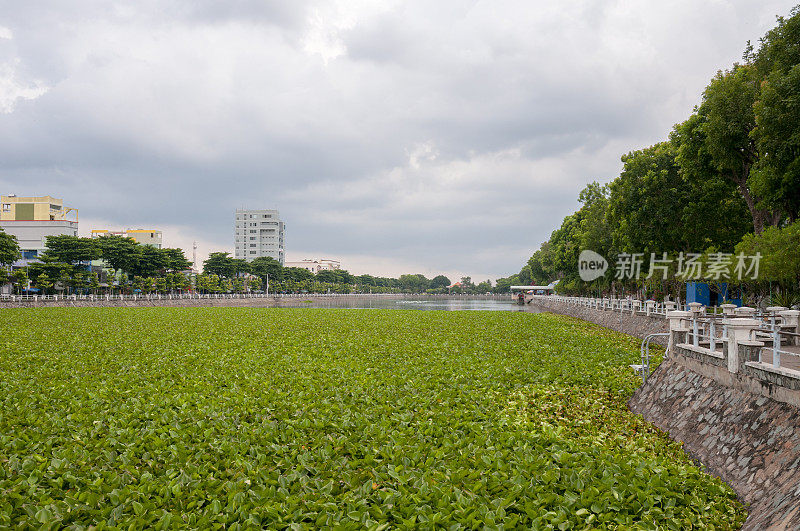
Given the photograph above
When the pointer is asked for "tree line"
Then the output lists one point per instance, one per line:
(725, 181)
(66, 265)
(220, 269)
(69, 264)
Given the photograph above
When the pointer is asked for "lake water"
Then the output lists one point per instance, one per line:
(503, 305)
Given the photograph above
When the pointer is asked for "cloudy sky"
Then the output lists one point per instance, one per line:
(416, 136)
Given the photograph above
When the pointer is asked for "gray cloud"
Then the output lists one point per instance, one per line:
(452, 136)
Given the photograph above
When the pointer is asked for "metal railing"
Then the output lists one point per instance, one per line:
(643, 369)
(773, 338)
(708, 331)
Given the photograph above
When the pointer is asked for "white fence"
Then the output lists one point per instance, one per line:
(775, 329)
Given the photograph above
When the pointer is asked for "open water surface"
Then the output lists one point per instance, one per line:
(503, 305)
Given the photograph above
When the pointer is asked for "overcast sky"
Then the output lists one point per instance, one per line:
(398, 137)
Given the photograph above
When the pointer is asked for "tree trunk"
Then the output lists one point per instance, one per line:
(761, 217)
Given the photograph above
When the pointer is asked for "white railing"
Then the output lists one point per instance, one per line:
(775, 331)
(633, 306)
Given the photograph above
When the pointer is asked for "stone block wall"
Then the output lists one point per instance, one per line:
(752, 442)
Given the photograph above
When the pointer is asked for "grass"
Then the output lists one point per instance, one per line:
(306, 418)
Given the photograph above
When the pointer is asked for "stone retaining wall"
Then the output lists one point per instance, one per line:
(752, 442)
(638, 325)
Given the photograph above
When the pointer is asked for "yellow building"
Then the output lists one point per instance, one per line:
(44, 208)
(150, 237)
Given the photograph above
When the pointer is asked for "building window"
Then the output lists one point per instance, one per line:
(6, 207)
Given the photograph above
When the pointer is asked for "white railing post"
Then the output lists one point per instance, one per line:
(696, 308)
(677, 323)
(712, 336)
(739, 329)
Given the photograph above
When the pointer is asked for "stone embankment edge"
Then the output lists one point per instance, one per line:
(751, 442)
(635, 325)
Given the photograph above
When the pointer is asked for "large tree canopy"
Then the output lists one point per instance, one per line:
(266, 267)
(72, 249)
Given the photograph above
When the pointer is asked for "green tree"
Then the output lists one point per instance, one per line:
(484, 287)
(777, 134)
(298, 274)
(238, 285)
(729, 120)
(327, 275)
(20, 280)
(414, 283)
(72, 249)
(254, 283)
(503, 285)
(780, 253)
(9, 248)
(94, 282)
(220, 264)
(439, 282)
(119, 253)
(267, 267)
(239, 266)
(366, 280)
(44, 282)
(175, 260)
(149, 261)
(56, 270)
(161, 284)
(713, 211)
(646, 203)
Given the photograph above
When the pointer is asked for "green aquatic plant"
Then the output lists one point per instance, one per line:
(307, 418)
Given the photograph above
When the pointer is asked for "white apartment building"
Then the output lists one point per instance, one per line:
(315, 266)
(258, 233)
(33, 219)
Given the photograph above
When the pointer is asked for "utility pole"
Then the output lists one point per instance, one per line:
(194, 255)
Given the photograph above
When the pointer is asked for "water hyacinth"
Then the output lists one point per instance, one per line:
(304, 418)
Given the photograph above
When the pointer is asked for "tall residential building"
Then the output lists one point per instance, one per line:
(150, 237)
(258, 233)
(33, 219)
